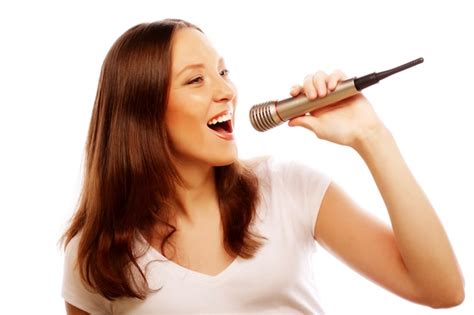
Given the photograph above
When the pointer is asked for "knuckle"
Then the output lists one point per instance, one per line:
(339, 73)
(320, 74)
(308, 77)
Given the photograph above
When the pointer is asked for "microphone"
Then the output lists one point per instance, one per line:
(267, 115)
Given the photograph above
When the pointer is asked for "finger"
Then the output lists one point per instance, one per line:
(335, 77)
(320, 81)
(302, 121)
(295, 90)
(308, 122)
(322, 110)
(309, 88)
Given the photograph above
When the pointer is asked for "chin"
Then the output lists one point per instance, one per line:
(223, 160)
(224, 163)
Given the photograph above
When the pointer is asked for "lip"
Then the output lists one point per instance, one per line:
(224, 112)
(226, 136)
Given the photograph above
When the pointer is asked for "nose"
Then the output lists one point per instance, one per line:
(224, 90)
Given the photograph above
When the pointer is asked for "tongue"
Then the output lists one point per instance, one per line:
(222, 128)
(219, 129)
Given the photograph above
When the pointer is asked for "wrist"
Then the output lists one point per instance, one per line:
(372, 139)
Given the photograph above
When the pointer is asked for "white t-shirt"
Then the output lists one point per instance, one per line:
(278, 280)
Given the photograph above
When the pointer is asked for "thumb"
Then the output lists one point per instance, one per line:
(308, 122)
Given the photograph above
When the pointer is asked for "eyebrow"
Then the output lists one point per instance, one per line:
(196, 65)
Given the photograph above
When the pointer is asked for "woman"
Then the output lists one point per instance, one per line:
(171, 221)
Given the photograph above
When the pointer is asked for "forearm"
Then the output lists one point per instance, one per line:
(422, 241)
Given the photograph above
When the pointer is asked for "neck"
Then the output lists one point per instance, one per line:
(198, 197)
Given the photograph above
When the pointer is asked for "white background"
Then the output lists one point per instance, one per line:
(51, 54)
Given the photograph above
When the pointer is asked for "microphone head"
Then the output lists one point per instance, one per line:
(264, 116)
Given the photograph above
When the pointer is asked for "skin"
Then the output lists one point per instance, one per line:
(413, 258)
(196, 95)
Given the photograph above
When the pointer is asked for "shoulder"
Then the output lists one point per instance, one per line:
(288, 174)
(74, 290)
(270, 163)
(275, 164)
(71, 248)
(71, 268)
(258, 165)
(298, 170)
(256, 161)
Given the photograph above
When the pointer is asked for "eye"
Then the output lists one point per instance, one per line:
(224, 72)
(195, 80)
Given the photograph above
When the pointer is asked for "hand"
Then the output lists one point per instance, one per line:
(345, 122)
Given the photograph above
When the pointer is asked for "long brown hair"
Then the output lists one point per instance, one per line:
(130, 181)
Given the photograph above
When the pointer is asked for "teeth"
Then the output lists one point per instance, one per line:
(220, 119)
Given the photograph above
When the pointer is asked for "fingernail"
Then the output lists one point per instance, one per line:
(311, 94)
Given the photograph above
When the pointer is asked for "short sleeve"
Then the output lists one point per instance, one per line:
(74, 290)
(302, 187)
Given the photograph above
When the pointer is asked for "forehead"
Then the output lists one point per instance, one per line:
(191, 46)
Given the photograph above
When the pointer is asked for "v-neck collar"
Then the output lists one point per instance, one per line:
(154, 254)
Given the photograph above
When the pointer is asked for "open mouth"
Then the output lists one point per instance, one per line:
(222, 124)
(225, 126)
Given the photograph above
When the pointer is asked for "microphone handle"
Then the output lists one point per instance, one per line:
(297, 106)
(268, 115)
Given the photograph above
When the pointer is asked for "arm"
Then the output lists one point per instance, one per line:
(415, 260)
(72, 310)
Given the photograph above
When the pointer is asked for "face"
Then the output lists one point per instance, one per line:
(202, 100)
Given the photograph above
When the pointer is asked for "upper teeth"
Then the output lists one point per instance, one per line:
(220, 119)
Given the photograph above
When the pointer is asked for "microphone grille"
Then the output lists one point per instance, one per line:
(262, 116)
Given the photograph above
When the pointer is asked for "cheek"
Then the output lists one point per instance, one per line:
(185, 128)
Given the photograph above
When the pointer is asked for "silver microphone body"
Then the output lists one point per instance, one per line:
(265, 116)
